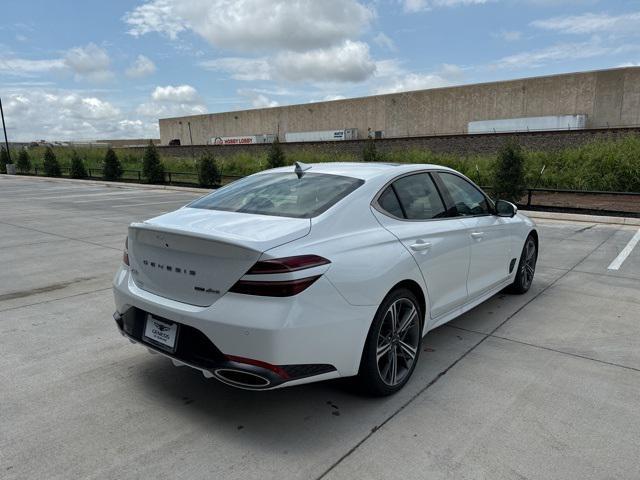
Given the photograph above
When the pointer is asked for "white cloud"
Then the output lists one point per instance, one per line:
(90, 62)
(141, 67)
(34, 113)
(589, 23)
(179, 94)
(255, 25)
(262, 101)
(383, 41)
(23, 67)
(348, 62)
(246, 69)
(393, 78)
(560, 52)
(172, 101)
(508, 35)
(332, 97)
(412, 6)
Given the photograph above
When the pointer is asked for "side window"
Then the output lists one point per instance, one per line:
(388, 201)
(467, 198)
(419, 197)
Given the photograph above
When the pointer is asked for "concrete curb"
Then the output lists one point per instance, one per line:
(105, 183)
(575, 217)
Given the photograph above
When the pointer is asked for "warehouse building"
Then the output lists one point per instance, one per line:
(598, 99)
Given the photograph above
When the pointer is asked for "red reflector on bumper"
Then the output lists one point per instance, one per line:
(258, 363)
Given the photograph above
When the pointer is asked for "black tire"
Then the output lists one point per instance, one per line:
(526, 267)
(373, 377)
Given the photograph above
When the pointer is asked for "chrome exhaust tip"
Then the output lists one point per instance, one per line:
(240, 378)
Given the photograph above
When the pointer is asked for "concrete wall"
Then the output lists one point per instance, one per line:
(607, 97)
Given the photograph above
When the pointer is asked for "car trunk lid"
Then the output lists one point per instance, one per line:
(195, 255)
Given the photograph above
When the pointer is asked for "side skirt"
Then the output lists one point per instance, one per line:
(469, 305)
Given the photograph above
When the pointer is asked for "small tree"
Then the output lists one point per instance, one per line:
(208, 171)
(4, 160)
(370, 152)
(77, 169)
(111, 169)
(275, 157)
(152, 168)
(509, 173)
(50, 164)
(23, 164)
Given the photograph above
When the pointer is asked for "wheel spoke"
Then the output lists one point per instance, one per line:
(529, 270)
(383, 349)
(408, 351)
(394, 367)
(407, 321)
(394, 317)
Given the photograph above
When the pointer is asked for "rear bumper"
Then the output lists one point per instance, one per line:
(313, 336)
(195, 350)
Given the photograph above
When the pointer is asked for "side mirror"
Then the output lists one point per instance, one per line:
(505, 209)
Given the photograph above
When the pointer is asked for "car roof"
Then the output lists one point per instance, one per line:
(362, 170)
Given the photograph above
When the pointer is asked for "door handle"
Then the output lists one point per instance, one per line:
(420, 245)
(477, 235)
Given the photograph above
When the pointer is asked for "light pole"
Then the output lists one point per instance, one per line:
(4, 127)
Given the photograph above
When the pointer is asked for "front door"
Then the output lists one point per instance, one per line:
(489, 235)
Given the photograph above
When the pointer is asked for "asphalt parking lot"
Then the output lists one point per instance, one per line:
(544, 385)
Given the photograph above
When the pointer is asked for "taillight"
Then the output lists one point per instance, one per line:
(287, 264)
(125, 254)
(284, 288)
(280, 288)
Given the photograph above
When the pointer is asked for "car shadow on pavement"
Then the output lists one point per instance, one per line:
(292, 420)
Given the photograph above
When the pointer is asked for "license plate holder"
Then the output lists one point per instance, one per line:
(161, 333)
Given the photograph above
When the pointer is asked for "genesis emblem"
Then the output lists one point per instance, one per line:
(161, 327)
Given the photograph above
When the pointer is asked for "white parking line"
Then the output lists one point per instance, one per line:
(626, 251)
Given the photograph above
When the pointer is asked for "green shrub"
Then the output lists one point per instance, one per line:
(275, 157)
(208, 171)
(50, 164)
(508, 183)
(111, 169)
(370, 153)
(23, 163)
(152, 167)
(77, 168)
(4, 160)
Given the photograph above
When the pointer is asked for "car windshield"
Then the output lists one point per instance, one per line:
(281, 194)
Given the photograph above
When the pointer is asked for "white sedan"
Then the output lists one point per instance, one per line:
(295, 275)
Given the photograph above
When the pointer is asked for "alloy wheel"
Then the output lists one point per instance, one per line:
(398, 340)
(529, 264)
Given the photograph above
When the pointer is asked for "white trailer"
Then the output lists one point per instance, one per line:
(526, 124)
(242, 139)
(322, 135)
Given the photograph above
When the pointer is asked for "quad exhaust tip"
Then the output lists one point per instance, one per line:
(240, 378)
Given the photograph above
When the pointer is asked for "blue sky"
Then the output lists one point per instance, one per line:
(96, 69)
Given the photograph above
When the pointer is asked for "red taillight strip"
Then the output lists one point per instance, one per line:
(285, 288)
(259, 363)
(287, 264)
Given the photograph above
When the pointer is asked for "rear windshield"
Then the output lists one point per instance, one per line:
(281, 194)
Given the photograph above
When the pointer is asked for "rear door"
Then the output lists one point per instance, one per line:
(413, 210)
(489, 234)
